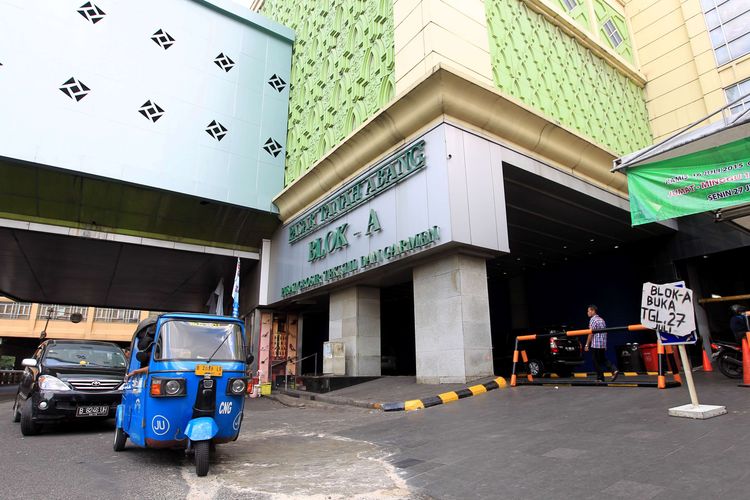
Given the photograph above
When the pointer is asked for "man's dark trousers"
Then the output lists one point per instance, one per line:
(600, 362)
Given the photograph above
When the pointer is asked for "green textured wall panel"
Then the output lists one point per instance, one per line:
(534, 61)
(343, 71)
(605, 13)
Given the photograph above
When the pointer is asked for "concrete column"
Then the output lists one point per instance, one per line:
(452, 320)
(354, 317)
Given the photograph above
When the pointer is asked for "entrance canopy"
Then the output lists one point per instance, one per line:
(696, 170)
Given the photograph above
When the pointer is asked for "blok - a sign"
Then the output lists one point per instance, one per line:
(668, 308)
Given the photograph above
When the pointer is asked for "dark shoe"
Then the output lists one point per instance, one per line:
(615, 375)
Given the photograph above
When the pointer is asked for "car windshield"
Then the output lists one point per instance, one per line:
(199, 340)
(84, 355)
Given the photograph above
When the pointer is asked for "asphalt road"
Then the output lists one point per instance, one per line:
(525, 442)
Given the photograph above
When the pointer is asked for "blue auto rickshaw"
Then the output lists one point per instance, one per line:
(186, 385)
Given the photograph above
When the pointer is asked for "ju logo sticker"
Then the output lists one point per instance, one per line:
(160, 425)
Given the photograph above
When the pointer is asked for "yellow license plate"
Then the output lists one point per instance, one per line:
(213, 370)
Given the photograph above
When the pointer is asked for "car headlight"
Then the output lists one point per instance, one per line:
(50, 383)
(237, 386)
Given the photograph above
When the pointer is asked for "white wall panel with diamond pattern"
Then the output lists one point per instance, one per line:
(182, 95)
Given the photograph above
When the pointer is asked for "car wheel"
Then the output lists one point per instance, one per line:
(28, 426)
(16, 411)
(120, 437)
(202, 454)
(536, 368)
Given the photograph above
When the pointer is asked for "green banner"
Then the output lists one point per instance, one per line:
(714, 178)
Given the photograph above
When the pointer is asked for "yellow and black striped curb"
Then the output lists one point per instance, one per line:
(446, 397)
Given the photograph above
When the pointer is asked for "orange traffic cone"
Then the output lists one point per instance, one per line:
(745, 364)
(707, 362)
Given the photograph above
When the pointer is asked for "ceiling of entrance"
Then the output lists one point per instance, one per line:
(50, 268)
(550, 224)
(59, 197)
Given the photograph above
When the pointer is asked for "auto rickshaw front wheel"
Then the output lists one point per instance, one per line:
(202, 455)
(120, 437)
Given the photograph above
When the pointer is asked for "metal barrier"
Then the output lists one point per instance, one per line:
(665, 355)
(10, 377)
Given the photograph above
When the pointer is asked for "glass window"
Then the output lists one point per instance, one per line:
(60, 312)
(611, 30)
(198, 340)
(93, 355)
(15, 310)
(728, 22)
(570, 4)
(108, 315)
(737, 91)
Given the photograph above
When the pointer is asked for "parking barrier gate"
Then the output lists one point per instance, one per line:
(665, 356)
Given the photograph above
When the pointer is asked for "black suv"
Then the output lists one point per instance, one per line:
(555, 354)
(68, 380)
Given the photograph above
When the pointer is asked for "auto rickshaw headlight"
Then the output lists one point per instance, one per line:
(237, 386)
(165, 387)
(172, 387)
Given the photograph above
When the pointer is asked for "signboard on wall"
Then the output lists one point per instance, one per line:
(418, 198)
(189, 96)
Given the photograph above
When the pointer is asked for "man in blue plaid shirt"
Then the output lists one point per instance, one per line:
(597, 343)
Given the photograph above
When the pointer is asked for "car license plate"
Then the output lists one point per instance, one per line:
(92, 411)
(213, 370)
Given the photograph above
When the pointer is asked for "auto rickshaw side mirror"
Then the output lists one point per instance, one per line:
(30, 362)
(250, 358)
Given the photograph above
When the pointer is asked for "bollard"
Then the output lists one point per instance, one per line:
(661, 379)
(745, 363)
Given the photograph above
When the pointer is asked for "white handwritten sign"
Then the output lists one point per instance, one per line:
(668, 308)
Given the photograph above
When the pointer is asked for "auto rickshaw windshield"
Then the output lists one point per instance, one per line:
(199, 340)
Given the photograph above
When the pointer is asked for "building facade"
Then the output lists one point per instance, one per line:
(448, 179)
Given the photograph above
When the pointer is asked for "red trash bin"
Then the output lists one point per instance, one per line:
(650, 357)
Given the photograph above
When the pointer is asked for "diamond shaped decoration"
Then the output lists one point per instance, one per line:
(163, 39)
(224, 62)
(91, 12)
(216, 130)
(75, 89)
(272, 147)
(151, 110)
(277, 83)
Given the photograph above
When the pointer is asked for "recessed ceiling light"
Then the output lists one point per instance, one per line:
(565, 246)
(518, 258)
(591, 240)
(617, 246)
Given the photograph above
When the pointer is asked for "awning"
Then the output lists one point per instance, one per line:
(699, 169)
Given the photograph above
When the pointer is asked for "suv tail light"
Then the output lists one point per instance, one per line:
(553, 345)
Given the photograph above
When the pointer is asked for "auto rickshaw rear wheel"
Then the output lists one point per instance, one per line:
(28, 426)
(202, 455)
(120, 438)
